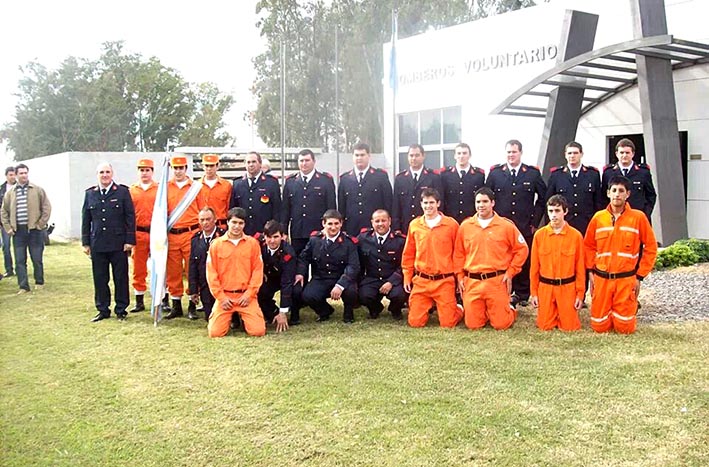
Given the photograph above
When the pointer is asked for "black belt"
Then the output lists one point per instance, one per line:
(140, 228)
(434, 277)
(235, 291)
(566, 280)
(484, 275)
(613, 275)
(184, 229)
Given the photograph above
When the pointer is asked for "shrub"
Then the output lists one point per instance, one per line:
(675, 255)
(700, 247)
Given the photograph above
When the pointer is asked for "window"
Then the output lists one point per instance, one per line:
(437, 130)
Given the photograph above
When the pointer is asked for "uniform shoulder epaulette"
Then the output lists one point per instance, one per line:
(379, 169)
(264, 176)
(124, 186)
(293, 175)
(316, 233)
(326, 174)
(496, 166)
(590, 167)
(349, 172)
(558, 167)
(257, 236)
(533, 167)
(644, 165)
(478, 169)
(399, 233)
(365, 229)
(287, 257)
(352, 238)
(608, 166)
(402, 173)
(197, 234)
(92, 188)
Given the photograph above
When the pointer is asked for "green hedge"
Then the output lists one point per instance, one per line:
(683, 253)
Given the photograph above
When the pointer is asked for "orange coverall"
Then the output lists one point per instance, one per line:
(430, 251)
(615, 247)
(497, 247)
(143, 201)
(217, 198)
(178, 244)
(557, 256)
(234, 271)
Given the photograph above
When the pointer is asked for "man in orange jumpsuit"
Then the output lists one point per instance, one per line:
(620, 251)
(427, 264)
(143, 195)
(489, 252)
(557, 274)
(235, 274)
(216, 191)
(180, 235)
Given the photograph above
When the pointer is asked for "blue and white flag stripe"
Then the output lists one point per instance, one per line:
(158, 244)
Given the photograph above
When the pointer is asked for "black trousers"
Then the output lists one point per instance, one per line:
(520, 282)
(317, 291)
(370, 297)
(208, 300)
(118, 263)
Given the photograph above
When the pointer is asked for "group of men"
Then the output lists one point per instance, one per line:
(24, 216)
(451, 240)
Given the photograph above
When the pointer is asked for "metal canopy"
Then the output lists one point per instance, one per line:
(601, 73)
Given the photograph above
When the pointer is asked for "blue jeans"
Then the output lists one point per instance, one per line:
(6, 252)
(21, 241)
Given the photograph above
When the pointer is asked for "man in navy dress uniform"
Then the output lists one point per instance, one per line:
(197, 271)
(332, 254)
(307, 194)
(380, 252)
(108, 235)
(408, 186)
(279, 266)
(362, 191)
(642, 192)
(459, 183)
(258, 193)
(580, 185)
(520, 196)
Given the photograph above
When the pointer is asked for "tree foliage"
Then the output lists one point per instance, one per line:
(120, 102)
(308, 31)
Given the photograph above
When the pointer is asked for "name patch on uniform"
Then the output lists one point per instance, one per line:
(520, 238)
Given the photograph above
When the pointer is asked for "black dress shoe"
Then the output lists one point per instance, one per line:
(373, 316)
(121, 316)
(192, 315)
(397, 315)
(322, 318)
(99, 317)
(348, 320)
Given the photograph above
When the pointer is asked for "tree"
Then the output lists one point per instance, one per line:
(307, 31)
(120, 102)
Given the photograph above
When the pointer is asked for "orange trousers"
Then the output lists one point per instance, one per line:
(487, 301)
(251, 316)
(427, 292)
(141, 252)
(556, 307)
(614, 305)
(178, 260)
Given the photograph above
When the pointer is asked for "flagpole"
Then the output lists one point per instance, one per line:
(393, 83)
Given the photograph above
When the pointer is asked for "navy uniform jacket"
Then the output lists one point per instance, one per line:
(279, 269)
(262, 202)
(584, 194)
(358, 201)
(515, 200)
(381, 263)
(338, 261)
(197, 271)
(407, 196)
(642, 193)
(107, 221)
(304, 205)
(459, 194)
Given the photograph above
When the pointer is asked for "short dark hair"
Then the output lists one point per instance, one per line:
(239, 213)
(514, 142)
(620, 180)
(625, 143)
(380, 211)
(417, 146)
(573, 144)
(258, 156)
(463, 145)
(21, 166)
(208, 209)
(485, 191)
(307, 152)
(273, 227)
(430, 193)
(9, 169)
(332, 214)
(361, 147)
(558, 200)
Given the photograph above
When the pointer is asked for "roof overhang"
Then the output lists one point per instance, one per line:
(601, 73)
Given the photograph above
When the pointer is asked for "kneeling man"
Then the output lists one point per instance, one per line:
(489, 252)
(557, 274)
(235, 274)
(279, 263)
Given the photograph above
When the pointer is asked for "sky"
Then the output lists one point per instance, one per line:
(207, 40)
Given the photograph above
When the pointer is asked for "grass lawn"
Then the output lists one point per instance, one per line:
(372, 393)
